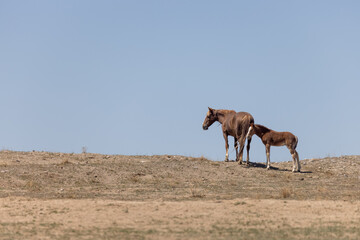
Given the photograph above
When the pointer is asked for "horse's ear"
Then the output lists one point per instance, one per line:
(211, 110)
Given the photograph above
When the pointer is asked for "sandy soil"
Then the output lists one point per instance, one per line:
(91, 196)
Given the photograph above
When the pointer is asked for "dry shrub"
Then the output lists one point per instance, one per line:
(32, 186)
(285, 193)
(134, 178)
(202, 158)
(64, 162)
(196, 193)
(239, 203)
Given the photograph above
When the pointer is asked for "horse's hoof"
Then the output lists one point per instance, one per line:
(226, 160)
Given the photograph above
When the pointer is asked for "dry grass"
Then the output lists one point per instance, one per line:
(32, 186)
(177, 185)
(64, 162)
(174, 177)
(285, 193)
(196, 193)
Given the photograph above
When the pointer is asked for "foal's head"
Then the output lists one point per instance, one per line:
(210, 118)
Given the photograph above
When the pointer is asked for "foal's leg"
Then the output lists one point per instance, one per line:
(267, 148)
(242, 144)
(248, 150)
(293, 154)
(226, 147)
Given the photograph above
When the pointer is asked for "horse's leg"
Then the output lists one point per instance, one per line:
(248, 150)
(267, 147)
(236, 148)
(226, 147)
(298, 160)
(242, 144)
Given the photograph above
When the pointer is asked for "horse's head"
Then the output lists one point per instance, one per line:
(210, 118)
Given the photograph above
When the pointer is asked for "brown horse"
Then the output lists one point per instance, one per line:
(272, 138)
(233, 124)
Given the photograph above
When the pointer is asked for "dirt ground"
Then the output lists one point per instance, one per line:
(91, 196)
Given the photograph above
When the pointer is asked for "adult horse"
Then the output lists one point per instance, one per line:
(233, 124)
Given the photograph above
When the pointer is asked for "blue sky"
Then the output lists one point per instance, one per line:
(136, 77)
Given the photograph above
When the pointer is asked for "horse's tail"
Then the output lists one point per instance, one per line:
(249, 131)
(296, 142)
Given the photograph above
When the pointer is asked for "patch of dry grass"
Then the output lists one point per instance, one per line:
(197, 193)
(32, 186)
(285, 193)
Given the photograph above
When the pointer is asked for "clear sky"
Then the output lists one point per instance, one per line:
(136, 77)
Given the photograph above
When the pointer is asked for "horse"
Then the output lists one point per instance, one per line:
(233, 124)
(272, 138)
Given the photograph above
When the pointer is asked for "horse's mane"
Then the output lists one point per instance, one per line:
(225, 111)
(262, 128)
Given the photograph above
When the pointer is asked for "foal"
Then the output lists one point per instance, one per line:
(272, 138)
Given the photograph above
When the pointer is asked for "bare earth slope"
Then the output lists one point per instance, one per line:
(92, 196)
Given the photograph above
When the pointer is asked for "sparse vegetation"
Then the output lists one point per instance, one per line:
(65, 161)
(239, 203)
(83, 196)
(32, 186)
(285, 193)
(197, 193)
